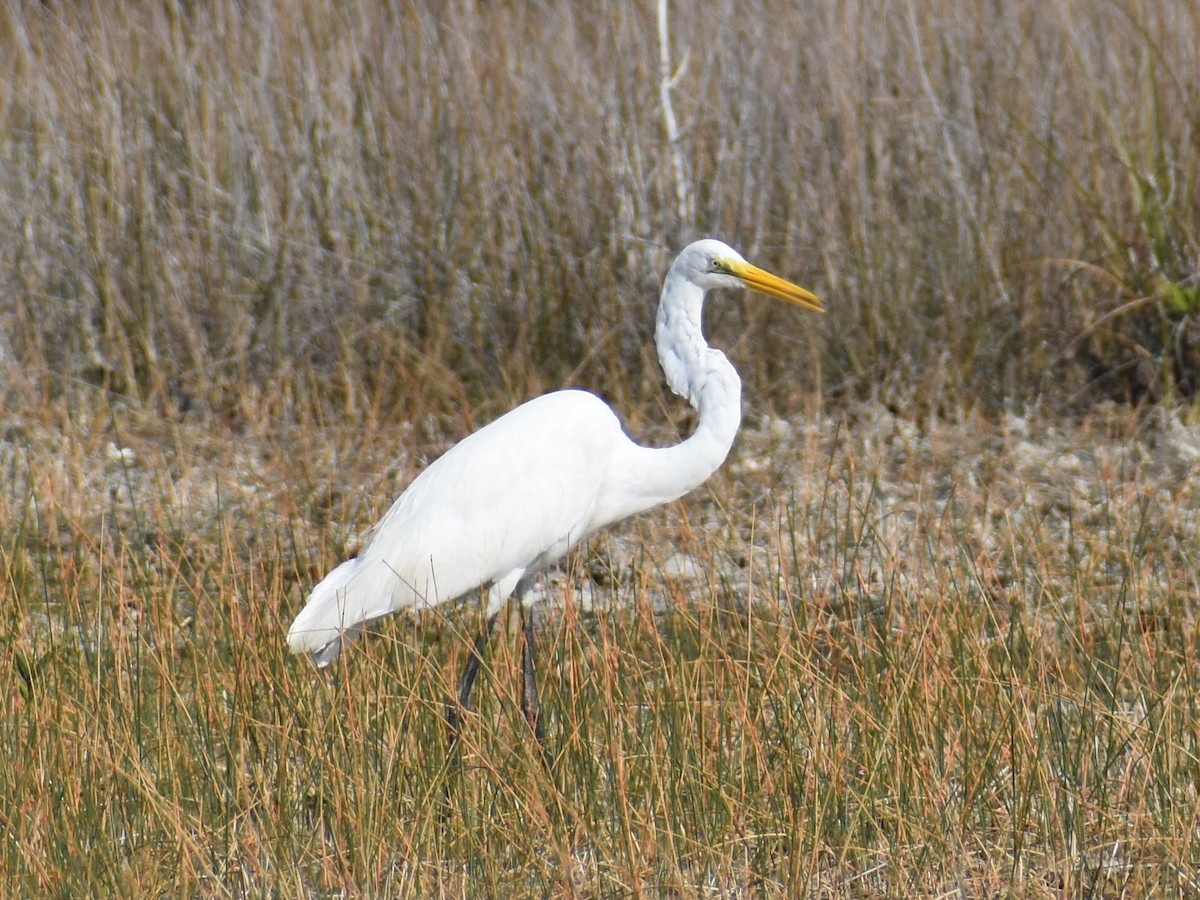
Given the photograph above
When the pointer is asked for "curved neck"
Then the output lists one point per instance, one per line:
(644, 476)
(718, 399)
(678, 336)
(694, 370)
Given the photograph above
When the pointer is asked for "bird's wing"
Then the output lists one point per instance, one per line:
(512, 497)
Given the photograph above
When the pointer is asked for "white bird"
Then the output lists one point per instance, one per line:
(510, 499)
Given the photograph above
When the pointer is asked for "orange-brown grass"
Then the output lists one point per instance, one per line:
(873, 657)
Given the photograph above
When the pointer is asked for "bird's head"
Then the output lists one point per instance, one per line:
(711, 264)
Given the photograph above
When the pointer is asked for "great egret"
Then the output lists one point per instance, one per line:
(510, 499)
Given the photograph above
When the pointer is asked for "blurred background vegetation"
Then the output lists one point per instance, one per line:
(314, 210)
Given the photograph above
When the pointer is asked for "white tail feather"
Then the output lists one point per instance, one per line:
(333, 616)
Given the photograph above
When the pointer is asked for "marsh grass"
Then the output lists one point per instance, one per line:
(407, 209)
(934, 633)
(925, 659)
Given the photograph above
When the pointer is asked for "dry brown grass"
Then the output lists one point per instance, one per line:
(874, 657)
(334, 209)
(923, 635)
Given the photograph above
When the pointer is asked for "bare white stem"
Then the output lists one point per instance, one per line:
(683, 194)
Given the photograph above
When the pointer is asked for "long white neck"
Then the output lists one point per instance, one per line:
(708, 381)
(686, 359)
(700, 374)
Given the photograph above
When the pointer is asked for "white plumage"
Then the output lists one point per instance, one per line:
(510, 499)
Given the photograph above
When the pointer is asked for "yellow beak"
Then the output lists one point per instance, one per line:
(760, 280)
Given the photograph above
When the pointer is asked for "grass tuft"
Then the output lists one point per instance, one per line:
(921, 660)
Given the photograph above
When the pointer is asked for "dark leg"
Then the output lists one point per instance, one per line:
(456, 705)
(454, 708)
(529, 695)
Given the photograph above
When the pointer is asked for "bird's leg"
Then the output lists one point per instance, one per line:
(530, 703)
(455, 707)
